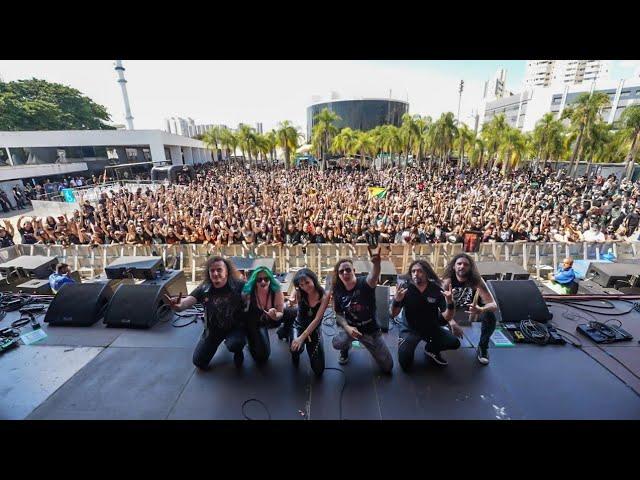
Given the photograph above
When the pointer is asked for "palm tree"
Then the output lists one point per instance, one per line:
(211, 139)
(547, 137)
(409, 134)
(630, 120)
(391, 141)
(581, 115)
(422, 125)
(228, 141)
(324, 130)
(287, 137)
(512, 149)
(478, 153)
(364, 144)
(466, 136)
(343, 142)
(492, 134)
(444, 134)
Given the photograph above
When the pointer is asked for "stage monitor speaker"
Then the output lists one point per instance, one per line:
(518, 300)
(29, 267)
(143, 305)
(388, 272)
(80, 304)
(382, 307)
(248, 265)
(607, 274)
(502, 271)
(142, 268)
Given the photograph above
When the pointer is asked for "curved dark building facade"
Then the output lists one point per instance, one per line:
(360, 114)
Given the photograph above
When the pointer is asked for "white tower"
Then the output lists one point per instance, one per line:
(123, 85)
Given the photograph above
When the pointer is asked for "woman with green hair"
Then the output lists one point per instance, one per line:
(264, 304)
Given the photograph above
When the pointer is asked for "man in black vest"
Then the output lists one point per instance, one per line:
(427, 308)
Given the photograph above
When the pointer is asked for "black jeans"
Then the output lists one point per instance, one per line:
(314, 348)
(437, 339)
(210, 341)
(488, 320)
(259, 344)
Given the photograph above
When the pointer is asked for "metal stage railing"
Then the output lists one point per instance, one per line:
(534, 257)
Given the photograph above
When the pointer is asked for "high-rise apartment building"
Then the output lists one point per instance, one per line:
(545, 73)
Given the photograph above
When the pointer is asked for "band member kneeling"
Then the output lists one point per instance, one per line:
(355, 307)
(427, 308)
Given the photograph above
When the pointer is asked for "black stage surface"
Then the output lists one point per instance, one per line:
(108, 373)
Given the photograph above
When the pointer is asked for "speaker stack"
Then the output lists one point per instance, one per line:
(15, 273)
(502, 271)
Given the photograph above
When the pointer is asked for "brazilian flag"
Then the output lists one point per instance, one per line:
(377, 192)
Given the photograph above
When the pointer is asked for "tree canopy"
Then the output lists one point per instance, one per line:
(40, 105)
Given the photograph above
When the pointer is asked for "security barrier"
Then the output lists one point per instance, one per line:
(534, 257)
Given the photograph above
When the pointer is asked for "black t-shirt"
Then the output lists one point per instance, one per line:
(357, 306)
(223, 306)
(6, 241)
(422, 311)
(28, 236)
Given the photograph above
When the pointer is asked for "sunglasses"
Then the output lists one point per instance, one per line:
(345, 270)
(262, 279)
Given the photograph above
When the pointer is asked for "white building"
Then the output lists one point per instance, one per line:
(496, 87)
(546, 73)
(524, 109)
(48, 153)
(186, 127)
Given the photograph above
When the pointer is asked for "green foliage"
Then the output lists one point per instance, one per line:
(40, 105)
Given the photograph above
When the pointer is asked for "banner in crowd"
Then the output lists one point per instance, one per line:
(378, 192)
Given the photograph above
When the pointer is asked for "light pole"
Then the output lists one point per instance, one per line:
(460, 98)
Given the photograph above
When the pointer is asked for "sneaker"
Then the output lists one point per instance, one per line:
(436, 357)
(344, 357)
(483, 355)
(238, 358)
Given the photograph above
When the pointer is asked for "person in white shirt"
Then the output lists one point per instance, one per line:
(594, 234)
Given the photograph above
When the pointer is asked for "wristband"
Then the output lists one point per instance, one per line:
(450, 306)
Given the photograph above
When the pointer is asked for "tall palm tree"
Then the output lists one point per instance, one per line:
(547, 137)
(391, 142)
(287, 137)
(477, 154)
(512, 148)
(272, 140)
(343, 142)
(248, 141)
(422, 125)
(581, 115)
(630, 120)
(466, 136)
(364, 144)
(492, 134)
(444, 134)
(228, 141)
(212, 138)
(408, 134)
(324, 130)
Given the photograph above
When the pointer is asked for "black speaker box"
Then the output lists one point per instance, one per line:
(80, 304)
(518, 300)
(143, 305)
(382, 307)
(502, 271)
(607, 274)
(30, 266)
(143, 268)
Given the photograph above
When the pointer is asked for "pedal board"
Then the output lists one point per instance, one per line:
(7, 344)
(616, 334)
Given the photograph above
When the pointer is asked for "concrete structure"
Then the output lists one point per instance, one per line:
(186, 127)
(49, 153)
(123, 85)
(524, 109)
(546, 73)
(360, 114)
(496, 86)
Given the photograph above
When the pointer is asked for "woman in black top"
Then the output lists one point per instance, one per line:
(312, 303)
(221, 296)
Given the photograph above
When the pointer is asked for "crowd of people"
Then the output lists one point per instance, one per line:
(226, 205)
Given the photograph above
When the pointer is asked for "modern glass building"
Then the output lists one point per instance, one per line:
(362, 114)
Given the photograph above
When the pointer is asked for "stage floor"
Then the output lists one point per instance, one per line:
(106, 373)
